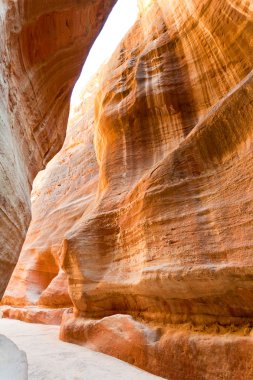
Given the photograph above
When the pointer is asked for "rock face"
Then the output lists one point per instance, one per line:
(148, 231)
(60, 195)
(13, 362)
(43, 45)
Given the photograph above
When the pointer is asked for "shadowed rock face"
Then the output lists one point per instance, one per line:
(43, 45)
(13, 362)
(147, 232)
(60, 195)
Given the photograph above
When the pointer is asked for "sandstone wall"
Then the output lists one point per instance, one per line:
(147, 232)
(43, 45)
(60, 195)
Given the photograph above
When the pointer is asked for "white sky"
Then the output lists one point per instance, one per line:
(122, 17)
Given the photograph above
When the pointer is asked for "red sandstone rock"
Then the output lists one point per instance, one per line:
(153, 223)
(172, 351)
(43, 45)
(34, 314)
(59, 196)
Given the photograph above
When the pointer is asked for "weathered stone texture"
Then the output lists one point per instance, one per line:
(43, 45)
(151, 225)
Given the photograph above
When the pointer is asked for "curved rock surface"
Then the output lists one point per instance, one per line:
(148, 231)
(43, 45)
(60, 195)
(13, 362)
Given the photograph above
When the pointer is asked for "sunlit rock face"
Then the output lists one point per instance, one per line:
(43, 45)
(151, 225)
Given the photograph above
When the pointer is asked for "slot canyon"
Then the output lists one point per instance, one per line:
(129, 224)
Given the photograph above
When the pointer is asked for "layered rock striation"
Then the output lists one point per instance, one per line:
(43, 45)
(60, 195)
(147, 231)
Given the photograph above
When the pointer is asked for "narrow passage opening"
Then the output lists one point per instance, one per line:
(120, 20)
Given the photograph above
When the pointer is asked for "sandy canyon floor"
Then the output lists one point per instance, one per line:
(51, 359)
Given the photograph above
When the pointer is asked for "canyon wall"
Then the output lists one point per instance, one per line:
(60, 195)
(142, 223)
(43, 45)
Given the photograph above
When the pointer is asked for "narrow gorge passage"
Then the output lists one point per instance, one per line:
(140, 242)
(43, 45)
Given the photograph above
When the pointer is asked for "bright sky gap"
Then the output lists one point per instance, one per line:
(122, 17)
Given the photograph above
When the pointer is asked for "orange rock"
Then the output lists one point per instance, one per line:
(43, 45)
(152, 223)
(34, 314)
(174, 352)
(59, 196)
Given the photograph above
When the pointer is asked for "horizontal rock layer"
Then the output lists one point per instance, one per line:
(43, 45)
(151, 225)
(172, 351)
(34, 314)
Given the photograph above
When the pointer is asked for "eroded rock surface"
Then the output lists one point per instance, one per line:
(43, 45)
(148, 231)
(50, 359)
(60, 195)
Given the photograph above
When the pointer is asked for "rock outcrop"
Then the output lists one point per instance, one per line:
(13, 362)
(50, 359)
(43, 45)
(147, 233)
